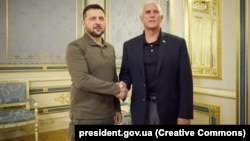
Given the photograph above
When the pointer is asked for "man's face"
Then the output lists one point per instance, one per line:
(94, 22)
(151, 16)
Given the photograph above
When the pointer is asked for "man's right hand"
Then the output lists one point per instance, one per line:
(123, 90)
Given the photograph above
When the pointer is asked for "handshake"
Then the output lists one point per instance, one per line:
(123, 91)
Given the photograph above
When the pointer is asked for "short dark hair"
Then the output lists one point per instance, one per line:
(91, 6)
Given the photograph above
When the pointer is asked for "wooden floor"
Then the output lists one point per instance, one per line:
(58, 135)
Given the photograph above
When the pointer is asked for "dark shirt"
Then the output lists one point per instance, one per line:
(151, 51)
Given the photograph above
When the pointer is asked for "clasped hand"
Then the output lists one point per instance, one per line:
(123, 90)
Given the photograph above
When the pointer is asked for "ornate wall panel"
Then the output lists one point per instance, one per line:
(34, 34)
(203, 34)
(53, 97)
(124, 22)
(206, 114)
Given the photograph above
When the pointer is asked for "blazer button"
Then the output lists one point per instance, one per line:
(143, 99)
(144, 85)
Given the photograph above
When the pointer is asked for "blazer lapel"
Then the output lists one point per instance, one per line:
(162, 50)
(139, 54)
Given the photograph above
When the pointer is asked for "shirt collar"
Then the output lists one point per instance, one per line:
(157, 42)
(92, 42)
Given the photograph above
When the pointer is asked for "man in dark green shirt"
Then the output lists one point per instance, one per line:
(95, 91)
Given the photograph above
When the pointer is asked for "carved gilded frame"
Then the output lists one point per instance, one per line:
(210, 114)
(203, 33)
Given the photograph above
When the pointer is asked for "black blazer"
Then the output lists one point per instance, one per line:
(174, 85)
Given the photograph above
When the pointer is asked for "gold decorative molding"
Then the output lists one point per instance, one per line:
(63, 98)
(203, 35)
(212, 112)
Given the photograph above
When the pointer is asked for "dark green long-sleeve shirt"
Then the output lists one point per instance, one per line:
(93, 72)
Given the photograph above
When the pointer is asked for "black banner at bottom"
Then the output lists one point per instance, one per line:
(160, 132)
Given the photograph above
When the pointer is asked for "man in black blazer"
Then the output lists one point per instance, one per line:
(156, 66)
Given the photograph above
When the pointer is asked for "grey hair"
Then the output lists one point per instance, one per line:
(154, 2)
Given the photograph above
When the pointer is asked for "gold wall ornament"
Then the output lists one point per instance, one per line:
(64, 98)
(206, 114)
(202, 32)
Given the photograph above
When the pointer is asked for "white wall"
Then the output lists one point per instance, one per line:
(124, 24)
(218, 92)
